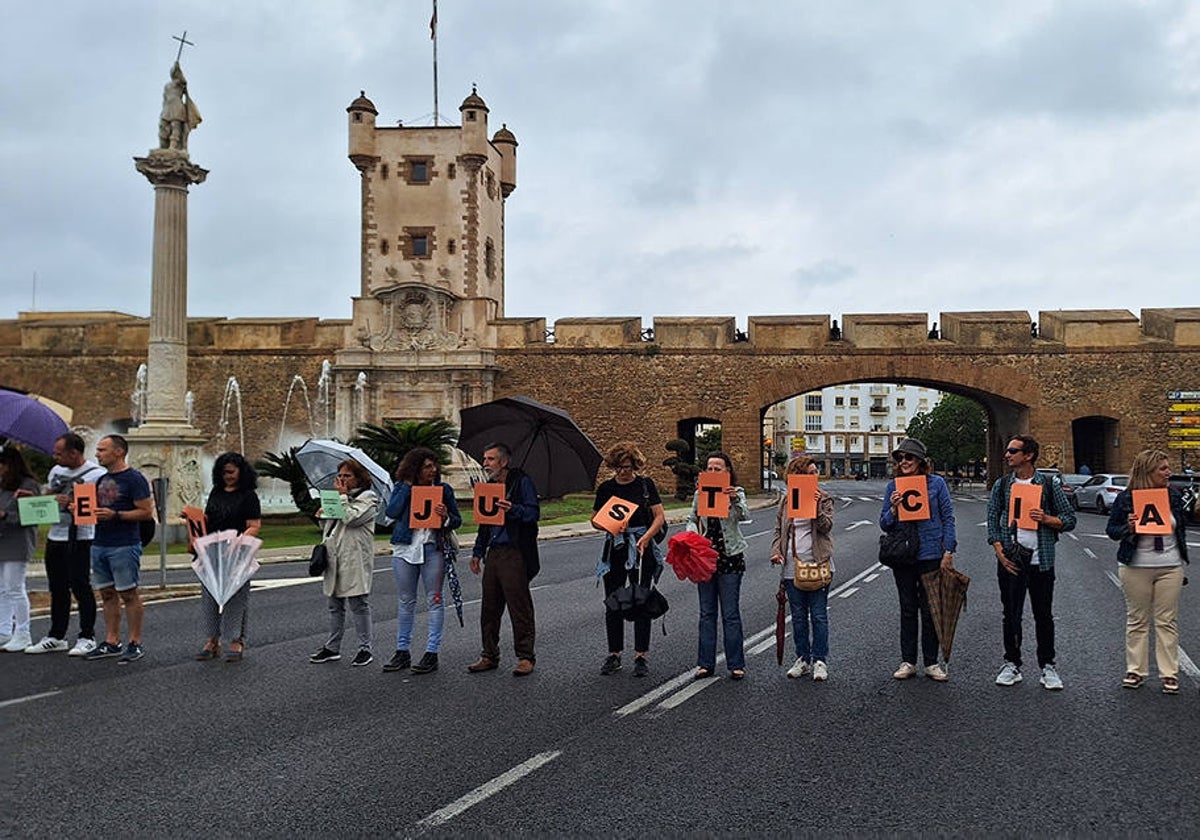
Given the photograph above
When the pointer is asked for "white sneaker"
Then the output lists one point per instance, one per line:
(906, 671)
(17, 643)
(799, 669)
(1050, 679)
(1010, 674)
(82, 647)
(48, 644)
(937, 671)
(820, 672)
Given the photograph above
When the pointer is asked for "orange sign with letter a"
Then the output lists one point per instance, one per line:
(85, 504)
(710, 495)
(421, 513)
(1152, 508)
(614, 515)
(1021, 502)
(802, 496)
(487, 508)
(914, 498)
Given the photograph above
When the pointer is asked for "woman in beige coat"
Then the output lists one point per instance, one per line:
(808, 540)
(351, 546)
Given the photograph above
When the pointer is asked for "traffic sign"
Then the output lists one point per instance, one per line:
(1183, 444)
(1184, 432)
(1184, 421)
(1185, 407)
(1183, 395)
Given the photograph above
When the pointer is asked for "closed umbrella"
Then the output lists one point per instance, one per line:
(692, 556)
(28, 421)
(224, 562)
(780, 621)
(546, 443)
(452, 575)
(320, 458)
(946, 590)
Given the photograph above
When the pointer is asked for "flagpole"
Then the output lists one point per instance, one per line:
(433, 35)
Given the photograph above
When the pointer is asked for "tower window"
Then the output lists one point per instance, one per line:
(450, 246)
(416, 170)
(420, 246)
(452, 170)
(357, 116)
(470, 116)
(417, 243)
(383, 171)
(383, 246)
(489, 259)
(420, 171)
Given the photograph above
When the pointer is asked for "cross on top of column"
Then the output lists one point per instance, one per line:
(182, 41)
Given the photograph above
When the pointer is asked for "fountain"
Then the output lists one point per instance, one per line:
(324, 404)
(297, 380)
(189, 408)
(233, 396)
(359, 407)
(137, 400)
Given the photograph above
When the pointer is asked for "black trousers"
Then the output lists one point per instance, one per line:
(68, 572)
(618, 576)
(1039, 583)
(914, 603)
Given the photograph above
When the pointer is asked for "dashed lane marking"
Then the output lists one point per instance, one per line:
(1089, 553)
(848, 592)
(485, 791)
(28, 698)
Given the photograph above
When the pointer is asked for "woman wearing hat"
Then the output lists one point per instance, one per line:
(937, 544)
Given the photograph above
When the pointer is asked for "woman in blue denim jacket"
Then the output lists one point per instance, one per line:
(724, 588)
(938, 543)
(419, 555)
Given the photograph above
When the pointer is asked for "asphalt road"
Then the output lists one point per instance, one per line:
(275, 746)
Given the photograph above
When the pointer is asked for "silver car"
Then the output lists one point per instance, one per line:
(1099, 491)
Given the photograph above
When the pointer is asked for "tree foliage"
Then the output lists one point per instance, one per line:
(386, 444)
(685, 471)
(707, 442)
(954, 432)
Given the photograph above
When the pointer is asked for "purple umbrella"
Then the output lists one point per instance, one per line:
(27, 421)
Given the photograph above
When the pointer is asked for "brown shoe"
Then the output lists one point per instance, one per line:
(484, 664)
(524, 668)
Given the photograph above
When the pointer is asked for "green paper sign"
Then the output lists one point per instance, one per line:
(331, 505)
(38, 510)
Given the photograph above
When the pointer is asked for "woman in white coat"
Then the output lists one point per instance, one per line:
(351, 547)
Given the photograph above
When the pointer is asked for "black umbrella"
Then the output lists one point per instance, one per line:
(545, 442)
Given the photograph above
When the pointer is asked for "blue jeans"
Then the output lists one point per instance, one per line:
(806, 605)
(430, 573)
(722, 590)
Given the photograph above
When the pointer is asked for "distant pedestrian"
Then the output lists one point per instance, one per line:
(233, 505)
(351, 546)
(723, 590)
(806, 540)
(69, 551)
(632, 556)
(123, 503)
(1085, 470)
(419, 555)
(17, 542)
(938, 542)
(507, 555)
(1025, 559)
(1152, 573)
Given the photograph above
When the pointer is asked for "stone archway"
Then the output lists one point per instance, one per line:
(1094, 439)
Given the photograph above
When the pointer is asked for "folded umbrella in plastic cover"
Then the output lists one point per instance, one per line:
(225, 560)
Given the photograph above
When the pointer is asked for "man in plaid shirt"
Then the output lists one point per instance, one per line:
(1025, 559)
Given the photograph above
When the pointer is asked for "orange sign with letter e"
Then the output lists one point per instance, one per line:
(487, 507)
(1152, 508)
(85, 504)
(914, 498)
(614, 515)
(421, 513)
(802, 496)
(710, 495)
(1021, 502)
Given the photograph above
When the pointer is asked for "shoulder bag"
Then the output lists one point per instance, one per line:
(900, 546)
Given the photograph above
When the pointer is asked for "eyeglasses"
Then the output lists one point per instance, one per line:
(1012, 450)
(906, 456)
(623, 467)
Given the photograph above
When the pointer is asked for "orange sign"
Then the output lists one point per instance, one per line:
(614, 515)
(487, 508)
(1021, 502)
(85, 504)
(914, 498)
(710, 495)
(197, 525)
(1153, 511)
(802, 496)
(421, 513)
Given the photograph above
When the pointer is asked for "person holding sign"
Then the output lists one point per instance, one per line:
(426, 515)
(17, 542)
(232, 506)
(718, 509)
(1149, 520)
(915, 495)
(1026, 512)
(630, 509)
(803, 534)
(351, 546)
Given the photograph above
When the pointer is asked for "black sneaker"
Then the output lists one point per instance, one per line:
(363, 657)
(104, 650)
(640, 666)
(133, 652)
(427, 664)
(611, 665)
(324, 655)
(400, 660)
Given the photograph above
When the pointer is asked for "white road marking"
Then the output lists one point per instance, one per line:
(684, 694)
(859, 524)
(848, 592)
(1071, 534)
(280, 583)
(486, 790)
(870, 578)
(17, 700)
(868, 499)
(1089, 553)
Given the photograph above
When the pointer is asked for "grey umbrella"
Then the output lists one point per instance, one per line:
(546, 443)
(320, 458)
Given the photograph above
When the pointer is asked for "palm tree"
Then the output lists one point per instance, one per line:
(285, 467)
(390, 442)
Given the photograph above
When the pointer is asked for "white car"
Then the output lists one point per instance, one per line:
(1099, 491)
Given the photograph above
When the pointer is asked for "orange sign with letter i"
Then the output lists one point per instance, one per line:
(1021, 502)
(802, 496)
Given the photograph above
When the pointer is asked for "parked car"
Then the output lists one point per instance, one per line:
(1098, 492)
(1072, 482)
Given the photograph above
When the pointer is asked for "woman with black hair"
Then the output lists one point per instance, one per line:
(232, 506)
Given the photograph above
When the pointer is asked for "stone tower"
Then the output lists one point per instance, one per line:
(432, 270)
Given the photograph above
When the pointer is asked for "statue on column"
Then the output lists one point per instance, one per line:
(179, 113)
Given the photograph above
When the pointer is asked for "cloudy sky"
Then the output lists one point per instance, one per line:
(676, 157)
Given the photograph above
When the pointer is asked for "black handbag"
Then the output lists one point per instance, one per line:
(636, 601)
(318, 562)
(900, 546)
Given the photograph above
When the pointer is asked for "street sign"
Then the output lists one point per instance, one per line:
(1184, 421)
(1183, 444)
(1183, 395)
(1184, 432)
(798, 443)
(1185, 407)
